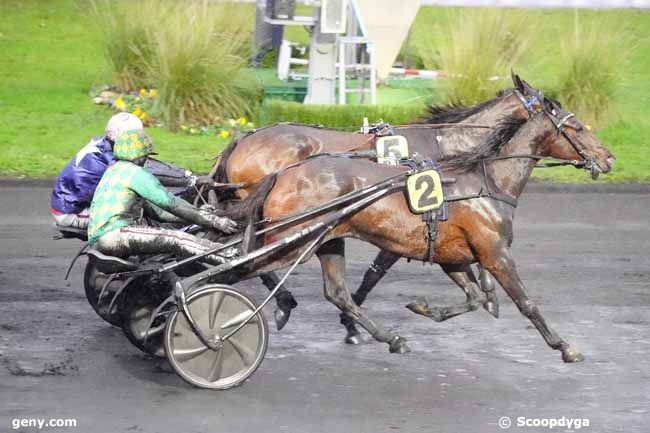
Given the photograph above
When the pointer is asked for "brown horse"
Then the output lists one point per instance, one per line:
(448, 130)
(481, 210)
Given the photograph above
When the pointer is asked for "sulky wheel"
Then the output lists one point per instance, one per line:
(93, 282)
(138, 305)
(217, 310)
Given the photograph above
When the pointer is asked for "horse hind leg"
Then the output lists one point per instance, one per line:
(332, 259)
(283, 298)
(463, 276)
(382, 263)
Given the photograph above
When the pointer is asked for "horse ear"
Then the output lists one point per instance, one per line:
(519, 85)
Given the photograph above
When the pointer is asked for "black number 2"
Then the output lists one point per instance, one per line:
(427, 198)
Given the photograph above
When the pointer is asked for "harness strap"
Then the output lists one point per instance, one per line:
(493, 195)
(431, 219)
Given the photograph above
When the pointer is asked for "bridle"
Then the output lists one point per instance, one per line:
(560, 124)
(586, 162)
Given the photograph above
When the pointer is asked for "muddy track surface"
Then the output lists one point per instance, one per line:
(584, 258)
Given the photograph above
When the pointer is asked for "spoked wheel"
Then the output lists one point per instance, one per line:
(139, 303)
(93, 283)
(217, 310)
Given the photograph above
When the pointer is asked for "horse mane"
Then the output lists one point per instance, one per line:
(502, 133)
(455, 112)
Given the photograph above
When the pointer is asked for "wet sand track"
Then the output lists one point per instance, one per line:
(584, 259)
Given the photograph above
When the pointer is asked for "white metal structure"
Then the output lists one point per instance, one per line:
(333, 16)
(370, 68)
(285, 61)
(361, 68)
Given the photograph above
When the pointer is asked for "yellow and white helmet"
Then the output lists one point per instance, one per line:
(120, 123)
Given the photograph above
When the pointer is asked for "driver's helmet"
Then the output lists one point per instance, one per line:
(122, 122)
(131, 145)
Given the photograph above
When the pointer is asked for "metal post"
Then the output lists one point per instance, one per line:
(342, 77)
(370, 47)
(322, 65)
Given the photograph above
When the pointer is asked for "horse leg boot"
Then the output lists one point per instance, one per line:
(486, 283)
(502, 267)
(382, 263)
(283, 298)
(463, 276)
(332, 259)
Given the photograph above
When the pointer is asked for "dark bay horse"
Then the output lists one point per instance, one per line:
(448, 130)
(480, 224)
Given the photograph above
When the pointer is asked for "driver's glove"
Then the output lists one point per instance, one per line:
(204, 180)
(223, 224)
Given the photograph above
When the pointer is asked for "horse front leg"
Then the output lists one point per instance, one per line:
(382, 263)
(332, 259)
(503, 268)
(463, 276)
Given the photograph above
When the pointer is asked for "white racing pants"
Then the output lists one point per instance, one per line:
(136, 240)
(77, 221)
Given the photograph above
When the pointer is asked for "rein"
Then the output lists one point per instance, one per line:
(586, 162)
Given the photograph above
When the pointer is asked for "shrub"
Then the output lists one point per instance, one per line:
(197, 65)
(128, 45)
(347, 117)
(594, 70)
(477, 52)
(193, 52)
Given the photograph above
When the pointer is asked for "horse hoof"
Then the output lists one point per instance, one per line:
(281, 317)
(398, 345)
(570, 354)
(492, 308)
(353, 339)
(433, 313)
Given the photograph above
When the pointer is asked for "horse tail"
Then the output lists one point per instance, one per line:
(249, 210)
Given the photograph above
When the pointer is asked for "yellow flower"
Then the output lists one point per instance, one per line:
(119, 103)
(588, 127)
(183, 128)
(242, 121)
(153, 93)
(143, 115)
(143, 92)
(137, 111)
(224, 134)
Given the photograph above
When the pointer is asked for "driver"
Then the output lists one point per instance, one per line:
(74, 187)
(112, 227)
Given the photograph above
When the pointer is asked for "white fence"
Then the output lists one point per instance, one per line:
(596, 4)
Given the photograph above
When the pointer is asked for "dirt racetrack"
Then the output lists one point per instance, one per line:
(583, 256)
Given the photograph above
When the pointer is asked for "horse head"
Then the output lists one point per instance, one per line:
(574, 141)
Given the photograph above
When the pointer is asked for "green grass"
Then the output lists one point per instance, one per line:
(52, 53)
